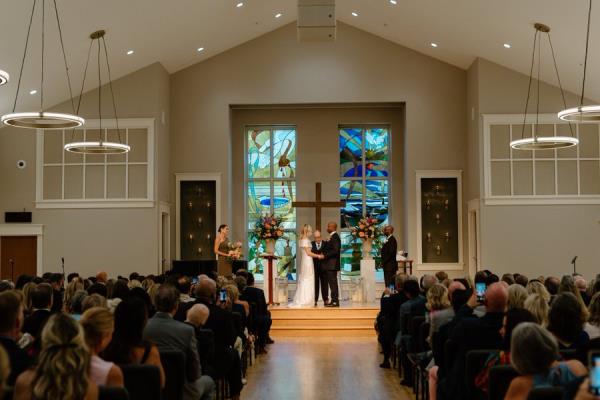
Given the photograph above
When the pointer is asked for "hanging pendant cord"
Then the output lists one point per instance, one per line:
(539, 72)
(43, 48)
(587, 42)
(99, 92)
(112, 93)
(62, 46)
(562, 92)
(87, 63)
(24, 54)
(529, 86)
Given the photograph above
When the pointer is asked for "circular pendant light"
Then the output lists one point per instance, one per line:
(4, 77)
(536, 142)
(583, 113)
(99, 146)
(41, 119)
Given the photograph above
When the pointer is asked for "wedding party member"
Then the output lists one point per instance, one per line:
(223, 252)
(388, 255)
(320, 276)
(331, 264)
(305, 278)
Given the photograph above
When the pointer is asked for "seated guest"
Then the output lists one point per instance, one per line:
(552, 283)
(98, 326)
(56, 280)
(415, 305)
(221, 323)
(128, 345)
(592, 327)
(427, 281)
(537, 305)
(521, 279)
(511, 320)
(27, 289)
(74, 286)
(537, 287)
(240, 306)
(184, 285)
(439, 307)
(566, 320)
(99, 286)
(119, 291)
(441, 276)
(197, 316)
(388, 316)
(75, 305)
(169, 334)
(11, 320)
(72, 276)
(516, 296)
(62, 371)
(581, 285)
(567, 285)
(534, 352)
(41, 303)
(262, 316)
(93, 300)
(508, 278)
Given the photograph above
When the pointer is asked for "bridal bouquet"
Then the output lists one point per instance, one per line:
(235, 250)
(366, 229)
(269, 227)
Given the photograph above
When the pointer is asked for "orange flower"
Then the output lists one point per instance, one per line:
(361, 234)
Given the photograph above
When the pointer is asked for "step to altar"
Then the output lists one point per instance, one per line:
(349, 320)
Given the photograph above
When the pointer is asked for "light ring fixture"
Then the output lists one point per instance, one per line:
(42, 120)
(581, 114)
(97, 148)
(4, 77)
(544, 143)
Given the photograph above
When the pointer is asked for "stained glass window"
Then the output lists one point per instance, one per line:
(364, 184)
(271, 189)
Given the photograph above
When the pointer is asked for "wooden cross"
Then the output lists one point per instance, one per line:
(318, 205)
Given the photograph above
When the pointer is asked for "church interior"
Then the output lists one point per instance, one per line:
(299, 199)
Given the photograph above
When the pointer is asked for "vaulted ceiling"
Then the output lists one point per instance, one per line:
(171, 32)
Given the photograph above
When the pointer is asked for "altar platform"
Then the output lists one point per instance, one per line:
(351, 319)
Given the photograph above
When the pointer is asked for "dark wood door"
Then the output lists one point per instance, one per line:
(18, 255)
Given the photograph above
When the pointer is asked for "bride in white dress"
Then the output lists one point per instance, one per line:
(305, 273)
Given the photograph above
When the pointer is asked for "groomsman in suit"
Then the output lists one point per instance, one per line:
(320, 277)
(388, 256)
(330, 265)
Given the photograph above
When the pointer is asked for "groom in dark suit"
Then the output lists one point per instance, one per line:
(330, 265)
(320, 277)
(388, 256)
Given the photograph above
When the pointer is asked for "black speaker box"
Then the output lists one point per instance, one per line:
(22, 217)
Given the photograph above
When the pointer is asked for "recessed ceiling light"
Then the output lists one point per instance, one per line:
(434, 45)
(354, 14)
(507, 45)
(200, 49)
(278, 15)
(33, 92)
(394, 2)
(130, 52)
(240, 4)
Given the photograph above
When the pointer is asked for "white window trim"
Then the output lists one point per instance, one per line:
(192, 176)
(128, 123)
(517, 119)
(421, 266)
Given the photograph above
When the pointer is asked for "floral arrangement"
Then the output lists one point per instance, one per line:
(366, 229)
(235, 250)
(268, 227)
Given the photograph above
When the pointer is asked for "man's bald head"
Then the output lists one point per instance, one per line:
(197, 315)
(206, 288)
(101, 277)
(581, 283)
(496, 297)
(455, 285)
(331, 227)
(317, 235)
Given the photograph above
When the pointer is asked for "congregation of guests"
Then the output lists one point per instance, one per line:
(544, 328)
(67, 340)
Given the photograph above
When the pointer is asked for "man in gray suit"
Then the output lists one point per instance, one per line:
(171, 335)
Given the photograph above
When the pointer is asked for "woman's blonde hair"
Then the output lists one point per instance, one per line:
(29, 286)
(64, 362)
(96, 323)
(535, 287)
(73, 286)
(306, 230)
(437, 297)
(516, 296)
(538, 306)
(152, 289)
(232, 292)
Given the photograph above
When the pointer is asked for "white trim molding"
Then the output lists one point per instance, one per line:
(194, 176)
(28, 230)
(164, 208)
(127, 202)
(420, 265)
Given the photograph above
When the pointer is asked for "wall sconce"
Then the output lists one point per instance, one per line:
(199, 250)
(191, 237)
(208, 204)
(428, 204)
(199, 191)
(437, 218)
(200, 221)
(428, 236)
(190, 205)
(208, 237)
(438, 249)
(447, 236)
(437, 189)
(446, 204)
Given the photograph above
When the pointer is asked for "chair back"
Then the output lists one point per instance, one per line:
(414, 324)
(112, 393)
(499, 381)
(422, 344)
(568, 354)
(553, 393)
(474, 363)
(205, 341)
(142, 381)
(173, 363)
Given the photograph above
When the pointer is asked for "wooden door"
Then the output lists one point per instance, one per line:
(18, 256)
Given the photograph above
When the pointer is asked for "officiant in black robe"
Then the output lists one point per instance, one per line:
(320, 276)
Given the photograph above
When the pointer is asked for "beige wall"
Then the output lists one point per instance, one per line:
(116, 240)
(357, 68)
(538, 240)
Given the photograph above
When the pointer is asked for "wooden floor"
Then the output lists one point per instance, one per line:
(327, 368)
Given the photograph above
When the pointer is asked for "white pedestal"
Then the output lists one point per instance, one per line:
(367, 272)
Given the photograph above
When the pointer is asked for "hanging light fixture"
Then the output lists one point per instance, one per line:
(583, 113)
(4, 77)
(99, 146)
(536, 142)
(42, 119)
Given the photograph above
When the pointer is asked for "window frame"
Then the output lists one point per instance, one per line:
(129, 123)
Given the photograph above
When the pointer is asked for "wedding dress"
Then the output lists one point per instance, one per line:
(305, 278)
